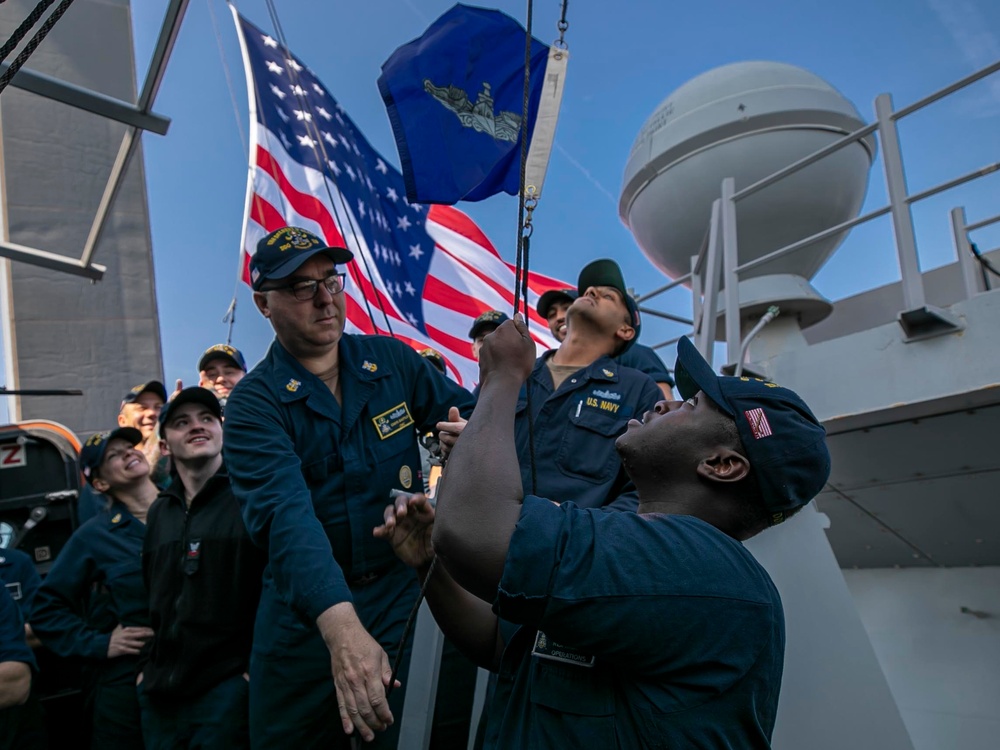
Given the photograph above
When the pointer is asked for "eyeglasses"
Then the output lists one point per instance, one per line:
(307, 290)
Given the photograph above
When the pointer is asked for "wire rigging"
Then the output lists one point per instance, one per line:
(26, 25)
(230, 317)
(33, 43)
(319, 150)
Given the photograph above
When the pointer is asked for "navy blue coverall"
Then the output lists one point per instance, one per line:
(644, 359)
(20, 726)
(654, 631)
(313, 478)
(19, 576)
(574, 432)
(105, 553)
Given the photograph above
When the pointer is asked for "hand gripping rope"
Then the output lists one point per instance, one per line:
(527, 202)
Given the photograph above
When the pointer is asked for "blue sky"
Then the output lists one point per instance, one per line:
(626, 58)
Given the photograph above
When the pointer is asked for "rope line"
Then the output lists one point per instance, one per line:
(984, 266)
(524, 230)
(409, 626)
(312, 128)
(230, 317)
(521, 272)
(24, 28)
(33, 43)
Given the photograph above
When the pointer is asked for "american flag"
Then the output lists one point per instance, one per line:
(759, 425)
(421, 273)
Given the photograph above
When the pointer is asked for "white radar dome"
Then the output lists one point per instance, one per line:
(745, 121)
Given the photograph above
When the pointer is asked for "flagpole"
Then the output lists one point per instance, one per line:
(230, 316)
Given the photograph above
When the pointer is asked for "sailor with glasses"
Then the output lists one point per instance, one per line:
(316, 436)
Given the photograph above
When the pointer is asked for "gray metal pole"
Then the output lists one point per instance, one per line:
(53, 261)
(421, 683)
(697, 305)
(730, 260)
(89, 101)
(478, 705)
(665, 316)
(130, 142)
(902, 218)
(705, 341)
(960, 236)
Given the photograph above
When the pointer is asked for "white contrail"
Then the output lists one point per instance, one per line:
(420, 14)
(586, 173)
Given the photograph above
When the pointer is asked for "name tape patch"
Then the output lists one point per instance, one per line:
(389, 422)
(546, 648)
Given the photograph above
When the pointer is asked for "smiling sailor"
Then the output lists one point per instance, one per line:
(316, 436)
(104, 554)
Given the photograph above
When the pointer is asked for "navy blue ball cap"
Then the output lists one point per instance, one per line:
(785, 443)
(92, 453)
(193, 395)
(606, 272)
(488, 321)
(552, 297)
(153, 386)
(435, 358)
(280, 254)
(222, 351)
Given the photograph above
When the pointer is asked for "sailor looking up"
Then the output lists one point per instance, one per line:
(553, 306)
(582, 399)
(648, 629)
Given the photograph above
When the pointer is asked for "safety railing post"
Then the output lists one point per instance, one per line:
(421, 683)
(697, 301)
(960, 236)
(902, 217)
(705, 341)
(730, 261)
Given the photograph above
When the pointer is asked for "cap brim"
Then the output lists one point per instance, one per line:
(209, 356)
(692, 374)
(604, 272)
(477, 329)
(193, 395)
(339, 256)
(155, 386)
(551, 297)
(131, 434)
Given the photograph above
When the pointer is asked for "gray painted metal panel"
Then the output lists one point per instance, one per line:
(70, 333)
(833, 693)
(912, 433)
(944, 287)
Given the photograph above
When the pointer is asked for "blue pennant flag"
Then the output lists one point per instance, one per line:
(455, 98)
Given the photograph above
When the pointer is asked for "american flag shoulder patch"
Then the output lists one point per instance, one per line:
(759, 425)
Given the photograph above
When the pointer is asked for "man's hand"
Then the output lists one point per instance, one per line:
(127, 641)
(361, 671)
(508, 353)
(449, 431)
(408, 526)
(177, 389)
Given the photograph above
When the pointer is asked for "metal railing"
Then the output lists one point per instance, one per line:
(716, 269)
